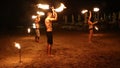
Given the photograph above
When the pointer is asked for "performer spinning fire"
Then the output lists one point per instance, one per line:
(91, 26)
(51, 16)
(37, 31)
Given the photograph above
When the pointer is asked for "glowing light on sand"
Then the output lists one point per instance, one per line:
(17, 45)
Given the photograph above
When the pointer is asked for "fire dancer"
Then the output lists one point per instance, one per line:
(37, 28)
(91, 26)
(51, 16)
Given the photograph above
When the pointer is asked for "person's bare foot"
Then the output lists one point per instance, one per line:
(37, 41)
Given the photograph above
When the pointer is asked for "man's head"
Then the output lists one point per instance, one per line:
(49, 14)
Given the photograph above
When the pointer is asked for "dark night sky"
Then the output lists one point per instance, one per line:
(20, 11)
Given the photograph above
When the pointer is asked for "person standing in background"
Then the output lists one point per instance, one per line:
(37, 28)
(91, 26)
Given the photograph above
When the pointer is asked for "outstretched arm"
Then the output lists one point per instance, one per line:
(95, 22)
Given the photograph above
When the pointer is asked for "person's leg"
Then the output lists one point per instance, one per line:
(48, 45)
(50, 42)
(37, 34)
(49, 49)
(90, 36)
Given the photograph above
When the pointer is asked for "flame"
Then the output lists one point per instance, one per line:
(43, 6)
(33, 17)
(96, 28)
(84, 11)
(96, 9)
(17, 45)
(29, 30)
(40, 13)
(61, 8)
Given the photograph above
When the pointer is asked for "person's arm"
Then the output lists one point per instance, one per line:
(95, 22)
(54, 13)
(90, 15)
(53, 19)
(90, 23)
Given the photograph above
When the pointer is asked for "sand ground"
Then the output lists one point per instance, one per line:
(70, 50)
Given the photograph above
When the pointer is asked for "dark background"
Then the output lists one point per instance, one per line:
(19, 12)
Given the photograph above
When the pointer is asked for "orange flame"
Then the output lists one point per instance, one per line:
(40, 13)
(84, 11)
(33, 16)
(61, 8)
(43, 6)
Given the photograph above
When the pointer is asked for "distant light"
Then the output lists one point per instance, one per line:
(96, 9)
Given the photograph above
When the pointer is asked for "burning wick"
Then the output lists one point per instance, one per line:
(29, 30)
(17, 45)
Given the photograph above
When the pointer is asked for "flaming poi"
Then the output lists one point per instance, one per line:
(61, 8)
(43, 6)
(34, 16)
(46, 6)
(40, 13)
(96, 28)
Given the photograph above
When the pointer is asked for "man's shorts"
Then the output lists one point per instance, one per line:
(49, 38)
(90, 28)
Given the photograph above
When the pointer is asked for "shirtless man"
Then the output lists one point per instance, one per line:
(51, 16)
(91, 26)
(37, 31)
